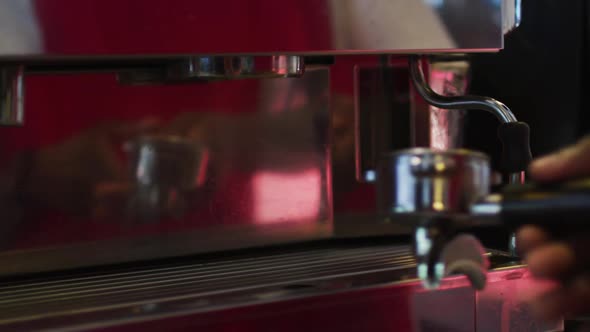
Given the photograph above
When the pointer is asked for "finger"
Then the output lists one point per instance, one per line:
(530, 237)
(568, 163)
(551, 261)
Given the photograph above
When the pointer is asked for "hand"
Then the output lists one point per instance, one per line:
(565, 262)
(84, 175)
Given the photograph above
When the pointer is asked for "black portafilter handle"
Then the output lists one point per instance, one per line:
(561, 208)
(516, 149)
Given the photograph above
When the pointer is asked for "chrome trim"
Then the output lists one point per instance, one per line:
(249, 193)
(12, 95)
(40, 30)
(205, 68)
(236, 67)
(447, 78)
(511, 15)
(490, 206)
(501, 111)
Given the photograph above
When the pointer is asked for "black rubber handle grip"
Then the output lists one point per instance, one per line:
(516, 150)
(557, 207)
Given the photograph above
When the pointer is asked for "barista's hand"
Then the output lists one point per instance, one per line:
(557, 260)
(84, 175)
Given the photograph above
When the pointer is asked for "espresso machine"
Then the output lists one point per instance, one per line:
(255, 165)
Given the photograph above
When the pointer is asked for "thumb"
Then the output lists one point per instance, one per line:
(568, 163)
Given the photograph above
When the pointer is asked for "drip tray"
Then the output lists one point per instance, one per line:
(87, 300)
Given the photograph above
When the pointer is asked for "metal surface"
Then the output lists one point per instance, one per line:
(423, 180)
(105, 28)
(431, 188)
(12, 95)
(238, 67)
(344, 287)
(165, 170)
(501, 111)
(217, 68)
(378, 114)
(76, 194)
(446, 126)
(490, 206)
(85, 301)
(429, 243)
(512, 14)
(365, 106)
(517, 178)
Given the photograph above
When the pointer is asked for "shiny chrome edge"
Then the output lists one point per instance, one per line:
(501, 111)
(511, 15)
(431, 152)
(12, 95)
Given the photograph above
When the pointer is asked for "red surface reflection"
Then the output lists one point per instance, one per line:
(287, 197)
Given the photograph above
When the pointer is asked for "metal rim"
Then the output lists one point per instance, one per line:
(173, 140)
(430, 152)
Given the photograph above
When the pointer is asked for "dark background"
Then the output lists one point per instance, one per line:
(541, 75)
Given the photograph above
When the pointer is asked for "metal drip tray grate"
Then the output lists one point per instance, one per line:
(80, 299)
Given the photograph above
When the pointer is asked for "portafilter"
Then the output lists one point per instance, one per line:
(441, 192)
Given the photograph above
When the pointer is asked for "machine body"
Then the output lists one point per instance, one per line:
(255, 86)
(174, 159)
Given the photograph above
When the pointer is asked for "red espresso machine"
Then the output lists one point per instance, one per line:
(184, 165)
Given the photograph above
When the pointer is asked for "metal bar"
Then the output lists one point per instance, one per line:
(501, 111)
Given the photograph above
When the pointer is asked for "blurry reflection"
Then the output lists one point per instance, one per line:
(229, 153)
(19, 29)
(265, 162)
(165, 170)
(287, 197)
(369, 24)
(446, 126)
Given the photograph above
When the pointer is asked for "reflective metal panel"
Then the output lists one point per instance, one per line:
(380, 108)
(57, 28)
(106, 173)
(446, 126)
(12, 95)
